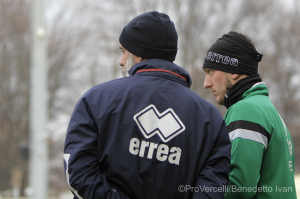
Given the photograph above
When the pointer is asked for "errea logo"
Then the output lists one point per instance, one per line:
(222, 58)
(166, 124)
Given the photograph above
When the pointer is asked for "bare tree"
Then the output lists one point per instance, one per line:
(65, 42)
(14, 85)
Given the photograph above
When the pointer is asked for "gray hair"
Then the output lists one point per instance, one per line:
(129, 63)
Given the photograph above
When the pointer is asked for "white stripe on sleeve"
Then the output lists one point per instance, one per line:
(249, 135)
(66, 158)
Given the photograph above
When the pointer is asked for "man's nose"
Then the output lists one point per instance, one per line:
(207, 83)
(121, 61)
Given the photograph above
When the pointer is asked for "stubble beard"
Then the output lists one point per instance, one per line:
(228, 84)
(129, 63)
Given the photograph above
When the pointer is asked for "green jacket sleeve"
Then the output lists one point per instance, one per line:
(245, 167)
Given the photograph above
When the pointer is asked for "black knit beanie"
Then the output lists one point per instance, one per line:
(151, 35)
(233, 54)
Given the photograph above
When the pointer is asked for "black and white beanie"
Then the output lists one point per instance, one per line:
(233, 54)
(151, 35)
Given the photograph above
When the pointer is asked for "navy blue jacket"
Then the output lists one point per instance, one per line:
(147, 136)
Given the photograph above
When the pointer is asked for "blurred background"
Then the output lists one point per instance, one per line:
(83, 51)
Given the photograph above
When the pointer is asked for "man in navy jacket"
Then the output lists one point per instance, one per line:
(147, 135)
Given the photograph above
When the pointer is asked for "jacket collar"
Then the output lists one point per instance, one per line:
(162, 68)
(236, 92)
(259, 88)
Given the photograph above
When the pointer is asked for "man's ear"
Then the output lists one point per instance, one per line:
(138, 59)
(235, 76)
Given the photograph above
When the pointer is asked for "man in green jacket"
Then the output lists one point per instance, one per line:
(262, 153)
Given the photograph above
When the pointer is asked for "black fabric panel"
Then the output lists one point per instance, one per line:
(242, 124)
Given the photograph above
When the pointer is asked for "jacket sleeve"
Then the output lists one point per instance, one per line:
(214, 176)
(249, 141)
(82, 168)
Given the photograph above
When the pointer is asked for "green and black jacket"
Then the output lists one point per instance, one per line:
(262, 153)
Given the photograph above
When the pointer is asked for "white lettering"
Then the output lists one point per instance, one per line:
(223, 58)
(291, 165)
(142, 149)
(212, 58)
(162, 152)
(290, 144)
(234, 62)
(208, 56)
(284, 189)
(151, 149)
(174, 157)
(134, 146)
(220, 57)
(226, 60)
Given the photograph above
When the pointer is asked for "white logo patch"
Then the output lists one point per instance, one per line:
(166, 124)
